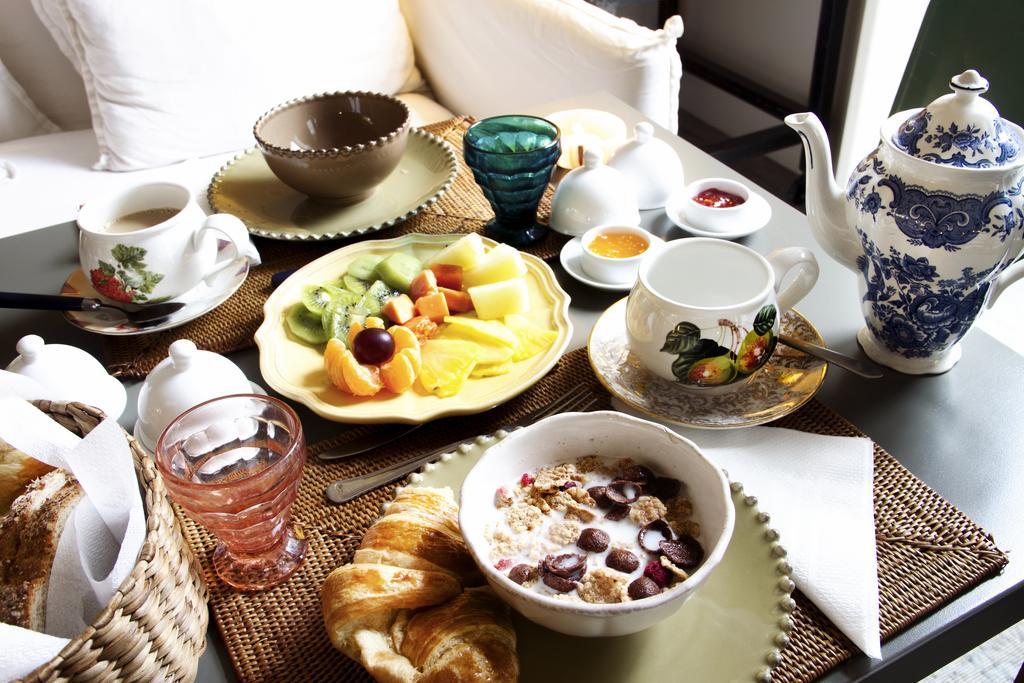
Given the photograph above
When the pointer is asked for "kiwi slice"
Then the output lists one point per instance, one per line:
(340, 321)
(375, 296)
(306, 325)
(363, 266)
(354, 284)
(398, 270)
(316, 298)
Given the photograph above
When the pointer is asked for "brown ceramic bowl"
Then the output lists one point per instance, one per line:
(335, 147)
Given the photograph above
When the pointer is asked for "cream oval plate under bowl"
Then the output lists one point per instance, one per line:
(296, 369)
(787, 381)
(733, 628)
(246, 187)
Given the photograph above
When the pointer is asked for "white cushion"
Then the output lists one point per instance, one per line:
(44, 179)
(19, 116)
(35, 61)
(174, 79)
(489, 57)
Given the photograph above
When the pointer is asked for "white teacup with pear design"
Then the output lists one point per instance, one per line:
(706, 313)
(152, 242)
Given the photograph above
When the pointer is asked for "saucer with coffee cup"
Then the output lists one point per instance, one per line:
(152, 243)
(706, 313)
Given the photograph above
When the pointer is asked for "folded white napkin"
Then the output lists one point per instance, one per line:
(101, 540)
(818, 491)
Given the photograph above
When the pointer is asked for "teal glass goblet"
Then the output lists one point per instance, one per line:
(512, 158)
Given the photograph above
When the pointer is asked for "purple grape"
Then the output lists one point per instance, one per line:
(373, 346)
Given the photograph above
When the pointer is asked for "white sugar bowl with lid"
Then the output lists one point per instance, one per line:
(651, 165)
(592, 195)
(186, 378)
(68, 373)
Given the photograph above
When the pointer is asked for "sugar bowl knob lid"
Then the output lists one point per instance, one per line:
(181, 353)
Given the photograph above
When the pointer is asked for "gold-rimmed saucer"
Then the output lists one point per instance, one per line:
(786, 382)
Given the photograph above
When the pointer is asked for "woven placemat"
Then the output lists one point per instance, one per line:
(928, 551)
(231, 325)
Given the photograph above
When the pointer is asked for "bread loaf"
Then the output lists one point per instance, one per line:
(29, 534)
(17, 470)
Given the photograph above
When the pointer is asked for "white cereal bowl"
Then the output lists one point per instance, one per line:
(609, 434)
(721, 220)
(614, 270)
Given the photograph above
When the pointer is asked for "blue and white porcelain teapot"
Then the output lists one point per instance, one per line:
(932, 220)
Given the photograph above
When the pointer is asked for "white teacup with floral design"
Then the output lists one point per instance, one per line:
(706, 312)
(153, 242)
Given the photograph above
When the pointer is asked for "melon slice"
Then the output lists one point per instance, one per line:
(500, 263)
(464, 252)
(500, 298)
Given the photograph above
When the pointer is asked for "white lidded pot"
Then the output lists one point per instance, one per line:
(651, 165)
(186, 378)
(68, 374)
(592, 195)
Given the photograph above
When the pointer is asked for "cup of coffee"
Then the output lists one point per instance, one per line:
(706, 313)
(152, 242)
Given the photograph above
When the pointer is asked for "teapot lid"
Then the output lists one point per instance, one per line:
(961, 129)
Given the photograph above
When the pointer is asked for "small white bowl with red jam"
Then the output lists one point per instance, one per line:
(612, 253)
(596, 524)
(718, 207)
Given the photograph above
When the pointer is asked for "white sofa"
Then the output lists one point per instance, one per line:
(482, 58)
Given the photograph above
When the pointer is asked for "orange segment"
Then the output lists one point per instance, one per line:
(362, 380)
(406, 340)
(399, 373)
(374, 323)
(355, 328)
(332, 364)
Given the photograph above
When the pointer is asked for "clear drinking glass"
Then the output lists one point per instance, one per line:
(234, 464)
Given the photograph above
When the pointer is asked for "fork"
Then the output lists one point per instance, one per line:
(579, 398)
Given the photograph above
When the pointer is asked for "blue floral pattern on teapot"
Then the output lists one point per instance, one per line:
(931, 222)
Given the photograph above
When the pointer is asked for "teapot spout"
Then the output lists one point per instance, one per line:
(826, 206)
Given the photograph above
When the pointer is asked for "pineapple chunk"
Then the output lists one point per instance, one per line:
(501, 263)
(500, 298)
(486, 331)
(491, 370)
(490, 352)
(532, 339)
(446, 365)
(465, 252)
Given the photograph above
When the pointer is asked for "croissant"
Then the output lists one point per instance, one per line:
(400, 609)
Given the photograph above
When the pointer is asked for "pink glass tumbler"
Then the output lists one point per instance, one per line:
(234, 464)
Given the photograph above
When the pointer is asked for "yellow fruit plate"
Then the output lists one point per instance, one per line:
(296, 369)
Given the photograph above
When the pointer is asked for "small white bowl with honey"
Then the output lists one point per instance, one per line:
(612, 253)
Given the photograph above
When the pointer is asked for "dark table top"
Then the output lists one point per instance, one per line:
(960, 432)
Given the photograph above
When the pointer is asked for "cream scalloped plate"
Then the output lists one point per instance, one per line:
(296, 369)
(733, 628)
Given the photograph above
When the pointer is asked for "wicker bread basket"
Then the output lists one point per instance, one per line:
(154, 628)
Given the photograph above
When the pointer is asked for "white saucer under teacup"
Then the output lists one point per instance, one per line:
(201, 299)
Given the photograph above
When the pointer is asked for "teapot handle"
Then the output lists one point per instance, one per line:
(1011, 274)
(799, 260)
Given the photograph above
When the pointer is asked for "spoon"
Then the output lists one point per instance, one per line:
(863, 368)
(147, 315)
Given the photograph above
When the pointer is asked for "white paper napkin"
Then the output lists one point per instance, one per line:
(818, 491)
(101, 540)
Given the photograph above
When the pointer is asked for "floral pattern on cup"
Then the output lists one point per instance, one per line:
(126, 279)
(703, 361)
